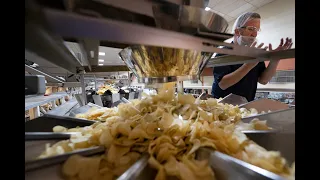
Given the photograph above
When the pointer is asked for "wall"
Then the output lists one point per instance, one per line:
(285, 64)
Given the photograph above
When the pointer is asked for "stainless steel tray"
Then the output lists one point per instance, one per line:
(282, 120)
(282, 139)
(265, 105)
(234, 99)
(224, 166)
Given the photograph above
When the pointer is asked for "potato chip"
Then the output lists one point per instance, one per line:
(72, 167)
(59, 129)
(171, 129)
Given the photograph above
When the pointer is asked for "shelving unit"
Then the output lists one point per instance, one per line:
(33, 103)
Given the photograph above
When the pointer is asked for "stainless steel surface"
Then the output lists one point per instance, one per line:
(231, 59)
(49, 78)
(44, 43)
(88, 48)
(282, 142)
(82, 109)
(40, 163)
(137, 6)
(282, 120)
(187, 19)
(234, 99)
(34, 101)
(63, 24)
(37, 136)
(265, 105)
(160, 62)
(136, 169)
(259, 131)
(34, 148)
(64, 108)
(83, 89)
(180, 87)
(34, 84)
(154, 80)
(229, 168)
(214, 35)
(124, 100)
(97, 100)
(50, 173)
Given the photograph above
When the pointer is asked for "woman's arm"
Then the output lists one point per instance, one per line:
(232, 78)
(272, 67)
(269, 72)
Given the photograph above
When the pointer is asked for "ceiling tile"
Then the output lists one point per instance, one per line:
(217, 12)
(245, 8)
(222, 4)
(213, 3)
(228, 18)
(259, 3)
(232, 6)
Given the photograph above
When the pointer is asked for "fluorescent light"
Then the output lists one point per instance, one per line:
(101, 60)
(92, 54)
(100, 64)
(102, 53)
(207, 9)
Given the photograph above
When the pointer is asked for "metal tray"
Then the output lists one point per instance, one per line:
(224, 166)
(282, 120)
(46, 122)
(265, 105)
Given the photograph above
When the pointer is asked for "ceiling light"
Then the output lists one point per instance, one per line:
(207, 8)
(101, 60)
(92, 54)
(102, 53)
(100, 64)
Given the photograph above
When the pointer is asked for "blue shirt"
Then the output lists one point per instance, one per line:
(246, 87)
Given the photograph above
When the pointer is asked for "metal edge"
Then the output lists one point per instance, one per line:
(61, 23)
(41, 163)
(38, 136)
(152, 80)
(236, 165)
(135, 170)
(260, 131)
(249, 118)
(89, 122)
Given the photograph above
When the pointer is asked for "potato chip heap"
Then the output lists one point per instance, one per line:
(251, 112)
(104, 88)
(170, 129)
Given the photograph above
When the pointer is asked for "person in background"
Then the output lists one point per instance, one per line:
(242, 79)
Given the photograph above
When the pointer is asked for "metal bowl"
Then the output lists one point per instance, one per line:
(160, 64)
(188, 19)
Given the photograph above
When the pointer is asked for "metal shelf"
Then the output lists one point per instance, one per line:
(34, 101)
(230, 60)
(63, 109)
(63, 24)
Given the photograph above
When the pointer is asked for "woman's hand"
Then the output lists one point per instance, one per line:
(285, 46)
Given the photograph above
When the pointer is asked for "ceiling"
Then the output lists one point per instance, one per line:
(231, 9)
(111, 57)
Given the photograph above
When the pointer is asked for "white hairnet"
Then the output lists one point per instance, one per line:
(244, 18)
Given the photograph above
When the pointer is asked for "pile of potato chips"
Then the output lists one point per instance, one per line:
(170, 128)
